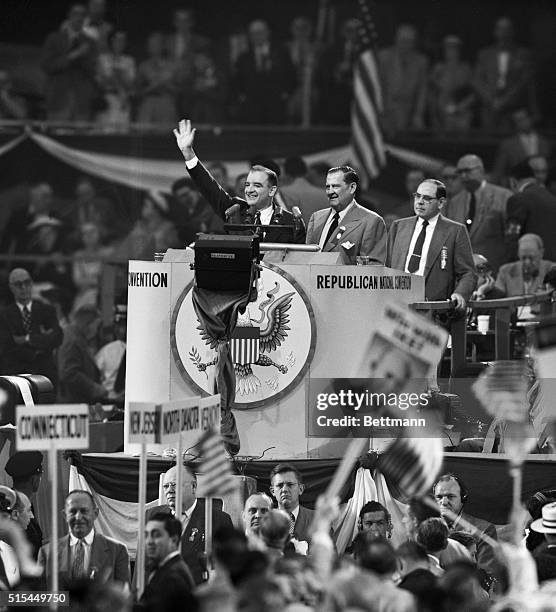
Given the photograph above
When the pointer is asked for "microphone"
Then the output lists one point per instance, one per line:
(235, 208)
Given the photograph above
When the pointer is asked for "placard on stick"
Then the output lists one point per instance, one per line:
(52, 428)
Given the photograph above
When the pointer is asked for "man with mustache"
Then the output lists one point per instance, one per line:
(346, 227)
(286, 486)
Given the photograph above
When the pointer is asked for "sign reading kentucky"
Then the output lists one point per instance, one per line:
(272, 345)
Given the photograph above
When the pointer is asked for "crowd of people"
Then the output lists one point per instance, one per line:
(254, 75)
(280, 555)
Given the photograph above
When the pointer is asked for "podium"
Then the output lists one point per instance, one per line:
(312, 320)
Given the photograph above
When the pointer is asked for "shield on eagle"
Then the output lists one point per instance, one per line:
(245, 344)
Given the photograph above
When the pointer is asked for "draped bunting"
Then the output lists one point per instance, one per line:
(159, 174)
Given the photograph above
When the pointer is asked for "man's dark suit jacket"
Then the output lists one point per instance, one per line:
(442, 278)
(534, 210)
(109, 560)
(170, 588)
(79, 374)
(220, 200)
(303, 523)
(36, 356)
(193, 537)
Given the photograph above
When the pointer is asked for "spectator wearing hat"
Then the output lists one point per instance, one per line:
(25, 468)
(29, 331)
(546, 558)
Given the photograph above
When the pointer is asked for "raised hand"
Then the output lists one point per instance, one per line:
(185, 136)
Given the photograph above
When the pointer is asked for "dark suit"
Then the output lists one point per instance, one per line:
(534, 210)
(303, 523)
(364, 229)
(109, 558)
(488, 230)
(79, 374)
(193, 537)
(37, 355)
(263, 91)
(442, 278)
(220, 200)
(511, 152)
(485, 554)
(169, 588)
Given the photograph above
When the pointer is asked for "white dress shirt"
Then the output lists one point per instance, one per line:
(428, 237)
(328, 223)
(87, 545)
(186, 514)
(11, 565)
(266, 214)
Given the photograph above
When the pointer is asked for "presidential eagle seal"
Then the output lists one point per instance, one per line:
(272, 345)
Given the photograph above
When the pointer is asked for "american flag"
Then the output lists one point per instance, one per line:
(215, 466)
(412, 464)
(366, 136)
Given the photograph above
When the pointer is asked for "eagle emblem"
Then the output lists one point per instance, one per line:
(254, 338)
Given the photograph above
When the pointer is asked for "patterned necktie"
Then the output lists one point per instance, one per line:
(26, 316)
(292, 523)
(471, 212)
(332, 227)
(257, 220)
(79, 560)
(415, 259)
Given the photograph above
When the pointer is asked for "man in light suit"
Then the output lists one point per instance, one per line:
(526, 275)
(346, 227)
(84, 553)
(445, 258)
(286, 486)
(481, 207)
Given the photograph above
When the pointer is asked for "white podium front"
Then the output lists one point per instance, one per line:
(310, 321)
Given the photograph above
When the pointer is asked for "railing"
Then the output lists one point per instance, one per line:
(503, 309)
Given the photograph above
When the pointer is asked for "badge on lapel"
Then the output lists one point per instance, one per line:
(443, 257)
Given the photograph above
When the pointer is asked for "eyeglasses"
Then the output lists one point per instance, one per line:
(421, 196)
(22, 284)
(467, 170)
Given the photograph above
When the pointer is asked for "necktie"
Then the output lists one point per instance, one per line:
(292, 523)
(332, 227)
(415, 259)
(79, 560)
(26, 316)
(257, 220)
(471, 212)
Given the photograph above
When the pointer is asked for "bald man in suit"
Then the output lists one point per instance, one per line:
(432, 246)
(346, 227)
(481, 207)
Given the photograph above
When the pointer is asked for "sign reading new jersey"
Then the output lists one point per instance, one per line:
(37, 427)
(272, 345)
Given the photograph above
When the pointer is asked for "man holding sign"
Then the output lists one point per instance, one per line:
(84, 553)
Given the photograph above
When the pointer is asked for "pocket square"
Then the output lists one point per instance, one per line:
(348, 245)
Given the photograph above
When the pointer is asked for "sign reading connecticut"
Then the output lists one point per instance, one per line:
(272, 345)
